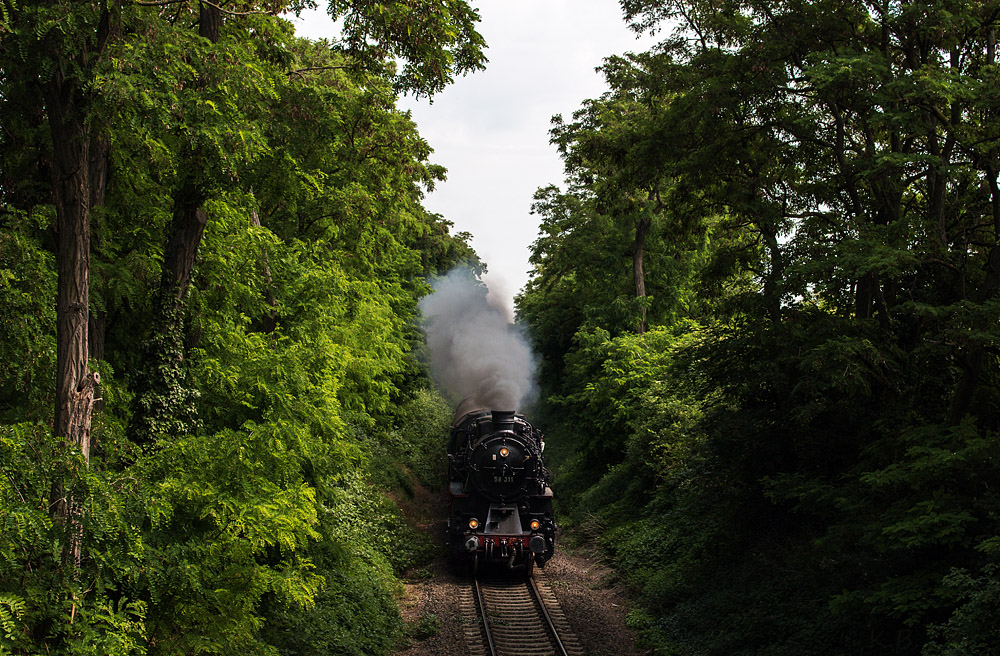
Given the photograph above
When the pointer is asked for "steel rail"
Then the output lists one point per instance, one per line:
(548, 631)
(482, 613)
(548, 619)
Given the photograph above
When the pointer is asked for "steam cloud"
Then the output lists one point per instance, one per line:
(476, 353)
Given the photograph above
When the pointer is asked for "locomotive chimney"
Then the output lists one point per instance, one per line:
(503, 420)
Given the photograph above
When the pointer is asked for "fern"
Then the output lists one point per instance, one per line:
(12, 609)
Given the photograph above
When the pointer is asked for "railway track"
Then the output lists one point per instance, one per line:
(516, 617)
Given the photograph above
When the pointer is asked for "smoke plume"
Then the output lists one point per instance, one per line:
(476, 352)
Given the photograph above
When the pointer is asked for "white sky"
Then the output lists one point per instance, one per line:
(490, 129)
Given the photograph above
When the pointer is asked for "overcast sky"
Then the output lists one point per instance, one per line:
(490, 129)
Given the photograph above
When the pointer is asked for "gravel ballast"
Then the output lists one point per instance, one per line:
(595, 608)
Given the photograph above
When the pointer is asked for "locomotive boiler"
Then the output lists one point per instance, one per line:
(500, 499)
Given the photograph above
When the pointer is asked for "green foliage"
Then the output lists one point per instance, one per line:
(810, 470)
(433, 40)
(364, 543)
(44, 603)
(618, 384)
(165, 401)
(414, 451)
(253, 374)
(27, 320)
(426, 626)
(971, 628)
(354, 615)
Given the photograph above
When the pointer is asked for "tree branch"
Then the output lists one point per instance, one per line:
(300, 71)
(239, 13)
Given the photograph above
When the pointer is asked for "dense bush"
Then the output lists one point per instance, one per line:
(800, 509)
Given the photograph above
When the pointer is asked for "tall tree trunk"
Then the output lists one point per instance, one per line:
(937, 176)
(71, 195)
(864, 297)
(189, 218)
(772, 281)
(210, 21)
(186, 231)
(639, 275)
(164, 405)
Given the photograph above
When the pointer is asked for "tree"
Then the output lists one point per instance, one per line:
(605, 151)
(433, 42)
(294, 306)
(837, 431)
(47, 52)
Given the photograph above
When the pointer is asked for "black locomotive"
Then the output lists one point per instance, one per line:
(501, 502)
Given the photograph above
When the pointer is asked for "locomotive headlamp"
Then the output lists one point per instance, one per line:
(504, 452)
(535, 525)
(473, 523)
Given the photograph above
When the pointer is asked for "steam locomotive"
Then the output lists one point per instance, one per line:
(501, 502)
